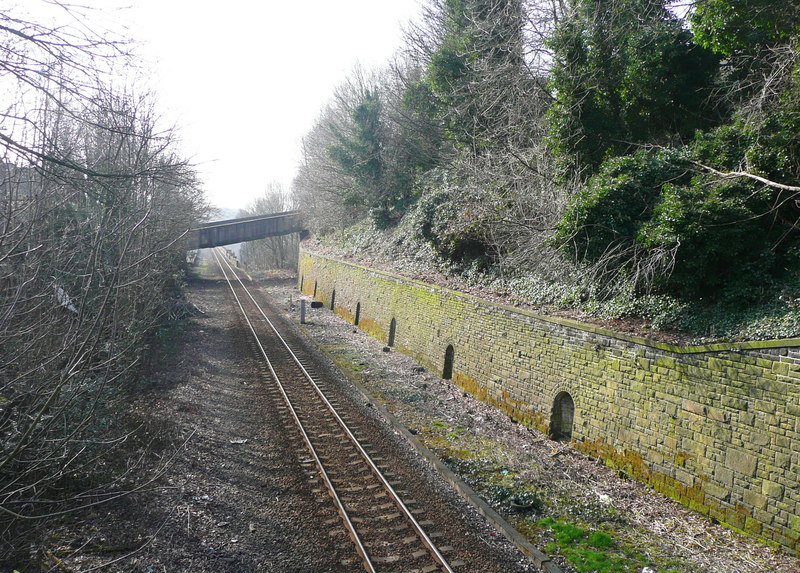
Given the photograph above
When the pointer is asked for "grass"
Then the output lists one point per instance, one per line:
(597, 551)
(590, 552)
(594, 541)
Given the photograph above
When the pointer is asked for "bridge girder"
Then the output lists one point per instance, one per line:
(231, 231)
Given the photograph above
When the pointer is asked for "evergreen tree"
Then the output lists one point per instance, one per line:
(625, 73)
(358, 151)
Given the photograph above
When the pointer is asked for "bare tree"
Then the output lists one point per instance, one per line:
(93, 204)
(463, 124)
(272, 252)
(486, 63)
(325, 192)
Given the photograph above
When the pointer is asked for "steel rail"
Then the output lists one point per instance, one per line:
(395, 497)
(351, 530)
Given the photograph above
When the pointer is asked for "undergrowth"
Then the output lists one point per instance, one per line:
(593, 538)
(773, 312)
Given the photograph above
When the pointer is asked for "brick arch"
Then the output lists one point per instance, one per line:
(562, 415)
(449, 359)
(392, 332)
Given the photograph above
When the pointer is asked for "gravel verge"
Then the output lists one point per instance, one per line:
(223, 489)
(496, 456)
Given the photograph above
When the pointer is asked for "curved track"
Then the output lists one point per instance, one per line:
(383, 528)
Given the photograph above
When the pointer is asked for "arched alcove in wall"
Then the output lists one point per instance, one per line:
(449, 356)
(562, 417)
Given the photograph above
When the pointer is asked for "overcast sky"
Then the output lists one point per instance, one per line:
(244, 80)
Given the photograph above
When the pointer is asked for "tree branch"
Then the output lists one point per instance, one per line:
(737, 174)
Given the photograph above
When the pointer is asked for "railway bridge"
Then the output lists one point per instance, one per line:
(232, 231)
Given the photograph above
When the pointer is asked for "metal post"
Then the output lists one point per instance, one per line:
(302, 312)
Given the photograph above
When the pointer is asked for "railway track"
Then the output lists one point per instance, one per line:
(385, 526)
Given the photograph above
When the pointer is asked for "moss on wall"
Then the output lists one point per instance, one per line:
(714, 427)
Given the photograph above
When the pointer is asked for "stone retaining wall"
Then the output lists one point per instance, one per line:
(716, 427)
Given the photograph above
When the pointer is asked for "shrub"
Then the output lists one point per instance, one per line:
(616, 202)
(451, 224)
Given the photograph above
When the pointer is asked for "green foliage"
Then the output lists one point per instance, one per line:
(736, 26)
(419, 97)
(380, 162)
(649, 113)
(662, 311)
(498, 494)
(450, 223)
(594, 552)
(600, 540)
(419, 140)
(358, 152)
(733, 238)
(477, 58)
(564, 533)
(449, 65)
(697, 235)
(615, 203)
(716, 237)
(449, 72)
(625, 72)
(728, 238)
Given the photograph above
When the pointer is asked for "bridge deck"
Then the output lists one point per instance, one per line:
(231, 231)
